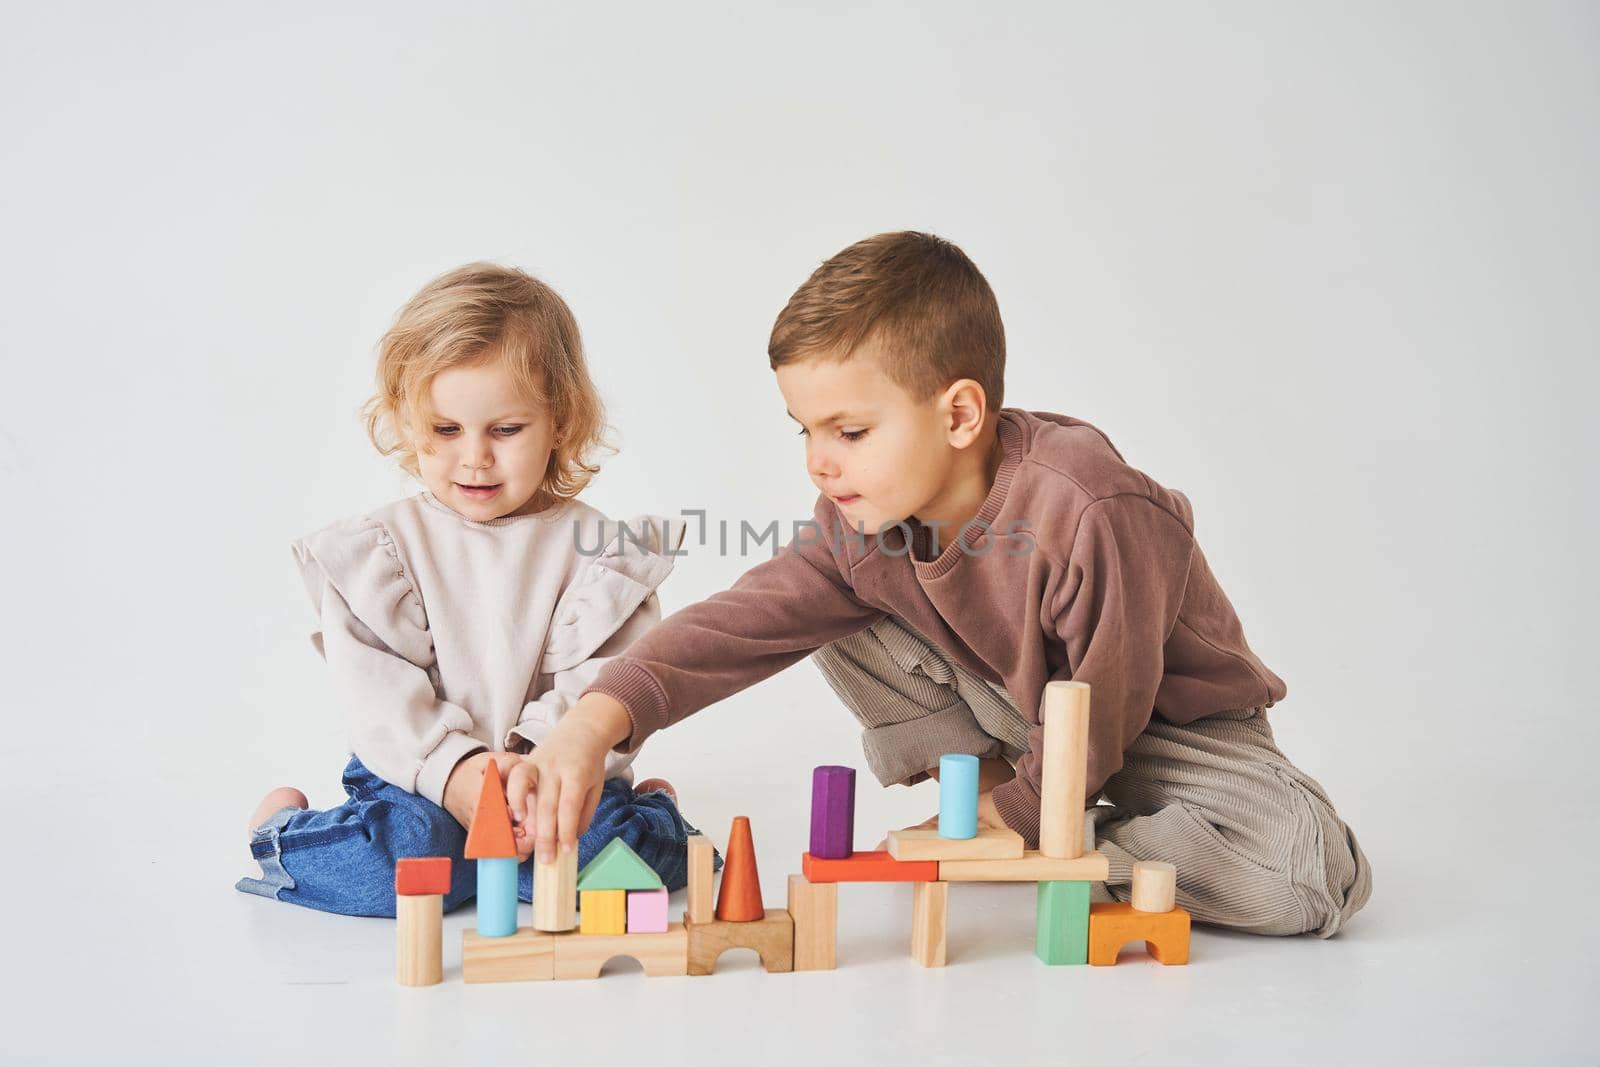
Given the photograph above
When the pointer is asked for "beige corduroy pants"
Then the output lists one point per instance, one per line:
(1257, 843)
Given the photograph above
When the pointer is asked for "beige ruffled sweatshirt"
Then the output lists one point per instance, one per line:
(447, 636)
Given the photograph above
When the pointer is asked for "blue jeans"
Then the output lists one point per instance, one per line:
(342, 860)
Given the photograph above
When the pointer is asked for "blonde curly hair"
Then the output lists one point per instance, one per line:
(473, 314)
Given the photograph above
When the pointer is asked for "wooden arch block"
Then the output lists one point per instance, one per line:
(1165, 934)
(772, 938)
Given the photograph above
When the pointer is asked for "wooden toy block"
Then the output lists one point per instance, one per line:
(868, 867)
(985, 844)
(419, 938)
(772, 937)
(584, 956)
(930, 904)
(617, 867)
(647, 911)
(701, 875)
(602, 911)
(526, 956)
(497, 897)
(1064, 770)
(815, 911)
(1165, 934)
(958, 796)
(1061, 932)
(555, 893)
(739, 898)
(490, 835)
(833, 812)
(1032, 867)
(422, 877)
(1155, 886)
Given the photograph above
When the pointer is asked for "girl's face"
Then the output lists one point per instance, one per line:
(490, 448)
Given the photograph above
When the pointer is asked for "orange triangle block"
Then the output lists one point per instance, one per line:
(739, 899)
(490, 836)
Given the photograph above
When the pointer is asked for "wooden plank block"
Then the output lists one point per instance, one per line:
(555, 892)
(419, 938)
(419, 876)
(1032, 867)
(701, 875)
(772, 937)
(1062, 923)
(603, 911)
(815, 911)
(929, 845)
(1155, 886)
(833, 812)
(526, 956)
(647, 911)
(868, 867)
(584, 955)
(1064, 769)
(930, 904)
(1165, 934)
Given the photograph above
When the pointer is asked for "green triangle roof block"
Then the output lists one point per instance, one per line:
(618, 867)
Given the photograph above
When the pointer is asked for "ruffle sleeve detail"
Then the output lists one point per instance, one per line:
(359, 560)
(617, 579)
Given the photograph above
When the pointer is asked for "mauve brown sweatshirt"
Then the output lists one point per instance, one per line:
(1077, 567)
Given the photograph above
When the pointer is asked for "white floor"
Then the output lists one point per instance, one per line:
(1475, 948)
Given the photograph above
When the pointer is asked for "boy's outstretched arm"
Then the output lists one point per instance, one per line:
(566, 773)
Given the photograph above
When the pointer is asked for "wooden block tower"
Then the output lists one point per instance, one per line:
(491, 843)
(742, 920)
(420, 886)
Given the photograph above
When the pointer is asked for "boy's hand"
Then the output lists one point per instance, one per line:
(556, 787)
(465, 784)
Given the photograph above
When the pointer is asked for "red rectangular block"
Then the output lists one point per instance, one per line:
(422, 877)
(868, 867)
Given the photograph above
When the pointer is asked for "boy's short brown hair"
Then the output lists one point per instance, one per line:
(919, 296)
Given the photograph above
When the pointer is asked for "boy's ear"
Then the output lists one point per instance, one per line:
(963, 407)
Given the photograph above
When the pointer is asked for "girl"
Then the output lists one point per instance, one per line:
(462, 622)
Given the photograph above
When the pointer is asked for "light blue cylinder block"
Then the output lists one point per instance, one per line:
(497, 897)
(958, 796)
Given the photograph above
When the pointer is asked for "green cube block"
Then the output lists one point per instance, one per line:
(1063, 923)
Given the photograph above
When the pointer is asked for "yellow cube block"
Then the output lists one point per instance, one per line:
(603, 911)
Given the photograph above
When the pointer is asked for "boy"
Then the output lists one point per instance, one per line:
(963, 556)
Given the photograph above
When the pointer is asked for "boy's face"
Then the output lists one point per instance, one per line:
(878, 453)
(490, 447)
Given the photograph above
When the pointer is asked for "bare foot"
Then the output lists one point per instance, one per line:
(650, 785)
(285, 796)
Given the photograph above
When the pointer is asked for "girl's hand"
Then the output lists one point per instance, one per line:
(465, 784)
(556, 787)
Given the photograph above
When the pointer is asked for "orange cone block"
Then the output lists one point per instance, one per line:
(739, 899)
(490, 836)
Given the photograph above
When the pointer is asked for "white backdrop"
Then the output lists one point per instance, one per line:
(1330, 269)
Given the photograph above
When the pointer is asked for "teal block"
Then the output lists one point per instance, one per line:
(497, 897)
(1063, 923)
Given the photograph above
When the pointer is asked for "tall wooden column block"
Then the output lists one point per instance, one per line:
(555, 893)
(833, 812)
(771, 936)
(930, 905)
(815, 910)
(1064, 769)
(1062, 933)
(701, 876)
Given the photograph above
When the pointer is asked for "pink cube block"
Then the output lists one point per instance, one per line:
(647, 911)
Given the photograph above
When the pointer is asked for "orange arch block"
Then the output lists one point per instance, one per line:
(739, 899)
(1165, 934)
(490, 837)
